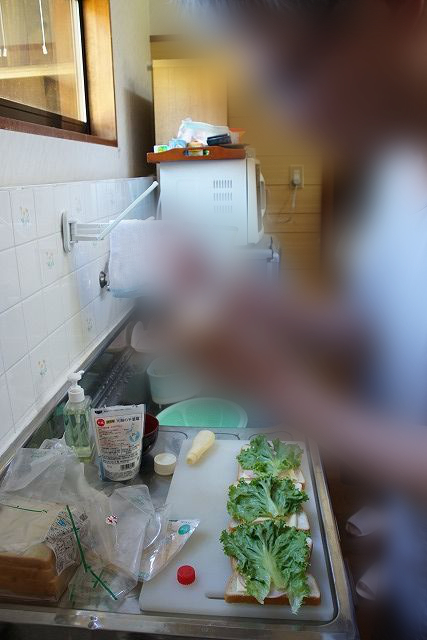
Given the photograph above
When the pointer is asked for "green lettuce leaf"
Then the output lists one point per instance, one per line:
(264, 497)
(270, 459)
(270, 555)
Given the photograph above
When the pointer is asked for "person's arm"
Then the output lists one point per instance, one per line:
(381, 449)
(319, 321)
(243, 352)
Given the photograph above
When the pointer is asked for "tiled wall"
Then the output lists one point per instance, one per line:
(52, 310)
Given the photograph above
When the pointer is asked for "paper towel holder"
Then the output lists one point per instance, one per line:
(74, 231)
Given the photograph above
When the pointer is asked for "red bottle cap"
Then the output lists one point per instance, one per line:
(186, 575)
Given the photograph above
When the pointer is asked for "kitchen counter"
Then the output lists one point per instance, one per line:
(32, 621)
(131, 621)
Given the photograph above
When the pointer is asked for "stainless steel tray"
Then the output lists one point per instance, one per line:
(131, 621)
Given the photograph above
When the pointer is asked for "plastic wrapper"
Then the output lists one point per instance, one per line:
(158, 556)
(62, 522)
(38, 549)
(191, 131)
(119, 432)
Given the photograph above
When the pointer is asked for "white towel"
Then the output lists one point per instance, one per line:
(132, 263)
(157, 257)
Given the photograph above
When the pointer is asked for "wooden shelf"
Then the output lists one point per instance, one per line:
(188, 155)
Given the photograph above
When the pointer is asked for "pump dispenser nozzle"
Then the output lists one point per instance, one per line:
(76, 393)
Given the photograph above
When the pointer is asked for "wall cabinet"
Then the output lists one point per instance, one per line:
(187, 88)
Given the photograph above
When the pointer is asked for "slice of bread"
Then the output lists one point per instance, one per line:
(297, 520)
(296, 475)
(13, 586)
(235, 593)
(38, 556)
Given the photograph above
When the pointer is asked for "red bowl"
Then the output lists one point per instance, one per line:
(151, 433)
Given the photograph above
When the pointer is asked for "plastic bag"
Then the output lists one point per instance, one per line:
(200, 131)
(38, 548)
(110, 547)
(156, 558)
(131, 511)
(133, 508)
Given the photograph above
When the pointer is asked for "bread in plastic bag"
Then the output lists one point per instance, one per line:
(100, 531)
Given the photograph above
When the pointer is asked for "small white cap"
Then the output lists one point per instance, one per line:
(164, 464)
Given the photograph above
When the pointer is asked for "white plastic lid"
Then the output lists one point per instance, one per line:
(164, 464)
(75, 393)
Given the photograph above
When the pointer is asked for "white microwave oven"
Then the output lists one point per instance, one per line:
(227, 193)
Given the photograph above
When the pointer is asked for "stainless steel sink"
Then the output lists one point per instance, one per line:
(119, 378)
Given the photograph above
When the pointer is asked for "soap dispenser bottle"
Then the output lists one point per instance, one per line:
(77, 416)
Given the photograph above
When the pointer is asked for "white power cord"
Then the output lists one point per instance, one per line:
(294, 197)
(3, 50)
(44, 47)
(296, 183)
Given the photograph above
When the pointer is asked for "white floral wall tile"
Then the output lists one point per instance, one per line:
(50, 259)
(29, 269)
(81, 254)
(41, 369)
(59, 352)
(23, 215)
(75, 337)
(6, 422)
(102, 199)
(47, 220)
(88, 283)
(6, 227)
(21, 388)
(92, 202)
(66, 261)
(112, 203)
(54, 309)
(61, 199)
(88, 319)
(13, 336)
(103, 311)
(77, 198)
(70, 295)
(35, 319)
(9, 280)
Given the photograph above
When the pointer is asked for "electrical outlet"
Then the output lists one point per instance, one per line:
(296, 176)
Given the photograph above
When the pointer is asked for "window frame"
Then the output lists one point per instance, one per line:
(15, 116)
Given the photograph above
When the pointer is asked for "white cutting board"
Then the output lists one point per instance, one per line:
(200, 492)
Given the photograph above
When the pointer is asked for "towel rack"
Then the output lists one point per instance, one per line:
(74, 231)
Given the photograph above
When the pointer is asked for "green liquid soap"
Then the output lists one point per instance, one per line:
(77, 420)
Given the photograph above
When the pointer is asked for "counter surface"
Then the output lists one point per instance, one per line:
(129, 619)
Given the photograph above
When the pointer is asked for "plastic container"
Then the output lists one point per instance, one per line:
(119, 433)
(170, 383)
(151, 433)
(77, 419)
(237, 135)
(209, 413)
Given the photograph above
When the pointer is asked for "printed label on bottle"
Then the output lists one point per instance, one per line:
(119, 440)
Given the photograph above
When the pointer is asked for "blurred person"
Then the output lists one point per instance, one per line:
(353, 73)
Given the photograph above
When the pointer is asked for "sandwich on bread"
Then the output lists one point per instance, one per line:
(267, 498)
(270, 565)
(268, 539)
(276, 459)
